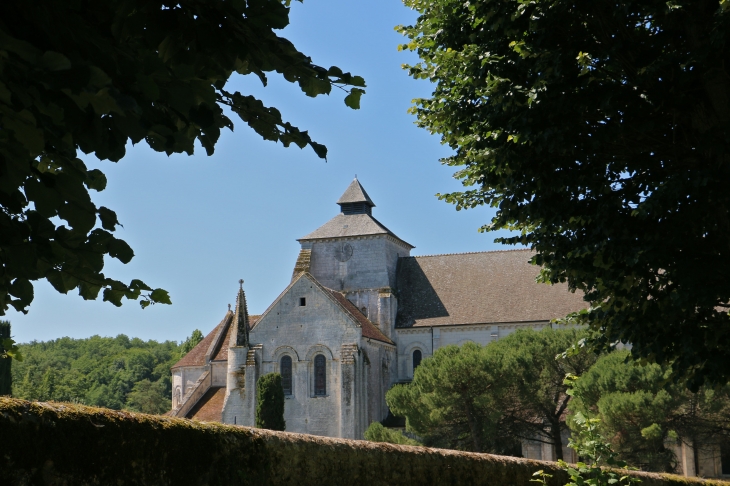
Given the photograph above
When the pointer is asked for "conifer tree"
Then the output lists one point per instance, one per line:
(6, 379)
(270, 408)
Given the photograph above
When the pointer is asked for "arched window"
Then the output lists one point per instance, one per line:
(416, 359)
(286, 375)
(320, 375)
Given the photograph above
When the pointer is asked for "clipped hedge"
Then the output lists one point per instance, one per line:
(65, 444)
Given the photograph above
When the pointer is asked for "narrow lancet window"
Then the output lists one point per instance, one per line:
(416, 359)
(320, 375)
(286, 375)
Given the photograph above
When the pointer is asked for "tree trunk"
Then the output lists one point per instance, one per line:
(471, 420)
(557, 440)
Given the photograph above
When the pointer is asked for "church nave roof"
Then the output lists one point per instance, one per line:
(478, 288)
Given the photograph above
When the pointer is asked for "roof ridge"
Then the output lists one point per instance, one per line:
(468, 253)
(356, 317)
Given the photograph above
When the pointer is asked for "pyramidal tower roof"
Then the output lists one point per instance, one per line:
(355, 193)
(355, 218)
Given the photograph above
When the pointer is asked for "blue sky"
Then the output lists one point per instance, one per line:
(198, 224)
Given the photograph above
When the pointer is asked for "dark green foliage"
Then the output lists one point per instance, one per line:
(377, 433)
(191, 342)
(107, 372)
(600, 131)
(6, 377)
(68, 444)
(95, 75)
(640, 411)
(488, 398)
(270, 407)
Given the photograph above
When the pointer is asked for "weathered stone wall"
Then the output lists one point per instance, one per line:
(428, 339)
(371, 265)
(301, 332)
(382, 373)
(58, 444)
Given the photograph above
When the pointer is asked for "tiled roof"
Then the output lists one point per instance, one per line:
(355, 193)
(210, 406)
(369, 330)
(472, 288)
(344, 225)
(221, 354)
(196, 356)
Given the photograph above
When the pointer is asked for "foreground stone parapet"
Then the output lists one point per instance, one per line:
(65, 444)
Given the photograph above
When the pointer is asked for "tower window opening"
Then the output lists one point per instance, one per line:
(356, 208)
(302, 301)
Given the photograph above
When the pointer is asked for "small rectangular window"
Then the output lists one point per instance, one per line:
(302, 301)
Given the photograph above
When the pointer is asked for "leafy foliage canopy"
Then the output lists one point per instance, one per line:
(640, 412)
(488, 398)
(600, 131)
(107, 372)
(270, 405)
(94, 75)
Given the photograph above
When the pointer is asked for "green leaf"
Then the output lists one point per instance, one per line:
(138, 284)
(89, 291)
(95, 179)
(160, 296)
(22, 289)
(54, 61)
(353, 99)
(108, 218)
(120, 250)
(319, 149)
(113, 296)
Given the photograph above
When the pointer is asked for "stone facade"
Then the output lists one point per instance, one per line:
(359, 301)
(369, 312)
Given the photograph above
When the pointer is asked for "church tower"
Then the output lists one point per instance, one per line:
(357, 255)
(241, 376)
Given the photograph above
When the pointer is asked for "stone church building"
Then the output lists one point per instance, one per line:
(359, 315)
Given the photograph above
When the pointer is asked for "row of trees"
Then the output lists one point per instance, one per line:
(491, 398)
(117, 373)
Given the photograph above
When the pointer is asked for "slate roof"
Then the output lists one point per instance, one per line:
(221, 353)
(369, 330)
(210, 406)
(196, 356)
(355, 193)
(346, 225)
(474, 288)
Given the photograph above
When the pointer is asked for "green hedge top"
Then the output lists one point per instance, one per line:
(61, 443)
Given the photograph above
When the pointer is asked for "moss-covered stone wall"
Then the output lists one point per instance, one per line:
(64, 444)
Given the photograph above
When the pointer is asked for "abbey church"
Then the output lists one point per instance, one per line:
(359, 315)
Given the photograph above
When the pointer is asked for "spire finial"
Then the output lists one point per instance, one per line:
(240, 333)
(229, 307)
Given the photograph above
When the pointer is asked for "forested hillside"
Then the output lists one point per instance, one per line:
(118, 373)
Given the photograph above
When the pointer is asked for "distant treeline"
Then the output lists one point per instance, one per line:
(118, 373)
